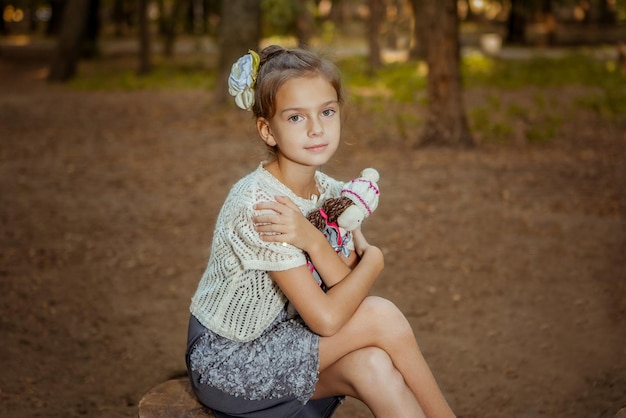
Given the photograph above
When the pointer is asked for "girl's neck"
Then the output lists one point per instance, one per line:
(299, 179)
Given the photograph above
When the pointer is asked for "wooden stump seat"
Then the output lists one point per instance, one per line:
(172, 399)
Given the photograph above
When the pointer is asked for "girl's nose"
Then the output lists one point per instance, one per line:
(316, 128)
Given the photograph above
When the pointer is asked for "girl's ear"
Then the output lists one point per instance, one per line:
(265, 131)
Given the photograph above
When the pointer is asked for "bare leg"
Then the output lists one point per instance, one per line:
(379, 323)
(369, 375)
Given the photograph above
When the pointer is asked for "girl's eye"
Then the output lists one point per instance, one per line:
(295, 118)
(328, 112)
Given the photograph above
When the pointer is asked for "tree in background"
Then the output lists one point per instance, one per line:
(65, 60)
(305, 21)
(418, 44)
(446, 122)
(89, 46)
(145, 39)
(516, 23)
(167, 23)
(240, 30)
(3, 27)
(376, 15)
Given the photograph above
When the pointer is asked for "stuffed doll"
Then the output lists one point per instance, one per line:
(339, 216)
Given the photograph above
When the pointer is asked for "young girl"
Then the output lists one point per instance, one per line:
(249, 353)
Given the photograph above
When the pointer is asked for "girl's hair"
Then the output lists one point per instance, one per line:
(278, 65)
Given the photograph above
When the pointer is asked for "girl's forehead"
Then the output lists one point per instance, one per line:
(305, 92)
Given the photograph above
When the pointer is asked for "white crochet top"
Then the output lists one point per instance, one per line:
(236, 298)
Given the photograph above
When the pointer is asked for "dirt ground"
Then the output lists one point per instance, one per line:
(509, 260)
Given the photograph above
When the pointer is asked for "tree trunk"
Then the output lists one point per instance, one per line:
(240, 30)
(92, 31)
(516, 24)
(304, 21)
(377, 10)
(65, 60)
(3, 27)
(418, 43)
(446, 123)
(145, 53)
(168, 26)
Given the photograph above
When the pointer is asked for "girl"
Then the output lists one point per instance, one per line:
(264, 339)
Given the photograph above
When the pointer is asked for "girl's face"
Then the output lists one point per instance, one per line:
(306, 126)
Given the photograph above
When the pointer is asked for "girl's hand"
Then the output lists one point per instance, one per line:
(286, 224)
(361, 245)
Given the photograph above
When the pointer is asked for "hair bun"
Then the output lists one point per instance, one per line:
(270, 52)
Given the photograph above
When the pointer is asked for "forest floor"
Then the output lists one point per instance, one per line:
(508, 259)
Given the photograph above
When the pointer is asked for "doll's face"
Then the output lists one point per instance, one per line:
(351, 218)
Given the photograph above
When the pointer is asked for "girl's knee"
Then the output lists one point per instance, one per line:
(372, 367)
(382, 307)
(386, 315)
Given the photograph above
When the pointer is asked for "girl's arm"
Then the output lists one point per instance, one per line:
(324, 313)
(287, 224)
(327, 313)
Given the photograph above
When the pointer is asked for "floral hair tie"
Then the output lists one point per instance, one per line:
(242, 79)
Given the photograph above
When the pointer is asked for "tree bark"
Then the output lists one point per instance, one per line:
(446, 123)
(418, 44)
(240, 30)
(145, 53)
(305, 21)
(168, 26)
(377, 10)
(516, 24)
(65, 61)
(3, 27)
(89, 46)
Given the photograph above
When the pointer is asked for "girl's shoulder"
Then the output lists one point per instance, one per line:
(256, 185)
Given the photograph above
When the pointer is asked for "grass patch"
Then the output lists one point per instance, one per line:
(165, 76)
(406, 83)
(572, 69)
(393, 87)
(610, 104)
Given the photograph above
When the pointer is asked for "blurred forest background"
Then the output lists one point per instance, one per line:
(434, 33)
(499, 129)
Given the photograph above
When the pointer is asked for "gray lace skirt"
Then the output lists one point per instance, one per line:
(274, 375)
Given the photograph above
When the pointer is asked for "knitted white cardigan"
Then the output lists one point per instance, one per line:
(236, 298)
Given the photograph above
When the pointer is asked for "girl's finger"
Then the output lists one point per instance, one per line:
(285, 200)
(274, 206)
(286, 238)
(266, 219)
(270, 229)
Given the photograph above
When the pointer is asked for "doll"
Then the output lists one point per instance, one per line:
(339, 216)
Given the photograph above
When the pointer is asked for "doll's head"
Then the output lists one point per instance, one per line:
(357, 200)
(364, 193)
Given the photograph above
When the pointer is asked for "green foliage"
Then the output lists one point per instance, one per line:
(493, 121)
(328, 32)
(172, 76)
(570, 69)
(278, 16)
(610, 104)
(395, 93)
(488, 123)
(401, 81)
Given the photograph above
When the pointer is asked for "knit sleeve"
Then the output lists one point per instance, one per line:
(252, 251)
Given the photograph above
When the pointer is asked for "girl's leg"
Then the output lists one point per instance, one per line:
(369, 375)
(379, 323)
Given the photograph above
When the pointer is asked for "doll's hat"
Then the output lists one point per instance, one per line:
(363, 191)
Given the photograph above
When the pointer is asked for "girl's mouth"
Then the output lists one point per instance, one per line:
(317, 147)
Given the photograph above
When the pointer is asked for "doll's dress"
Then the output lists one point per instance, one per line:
(342, 244)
